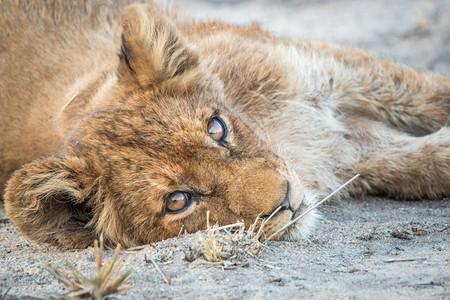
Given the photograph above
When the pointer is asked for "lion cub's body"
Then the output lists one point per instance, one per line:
(307, 113)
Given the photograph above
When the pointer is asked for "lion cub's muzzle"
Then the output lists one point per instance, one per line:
(282, 213)
(284, 205)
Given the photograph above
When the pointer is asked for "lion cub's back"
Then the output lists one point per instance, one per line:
(44, 46)
(45, 42)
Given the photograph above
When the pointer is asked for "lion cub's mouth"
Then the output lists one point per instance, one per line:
(289, 211)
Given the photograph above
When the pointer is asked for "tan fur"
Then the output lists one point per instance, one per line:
(97, 141)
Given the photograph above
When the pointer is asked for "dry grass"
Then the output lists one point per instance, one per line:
(228, 246)
(212, 253)
(107, 280)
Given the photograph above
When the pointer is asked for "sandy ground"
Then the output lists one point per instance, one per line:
(363, 249)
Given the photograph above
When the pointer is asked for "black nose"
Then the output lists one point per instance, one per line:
(286, 204)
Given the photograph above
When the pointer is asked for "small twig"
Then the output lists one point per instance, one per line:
(260, 231)
(137, 248)
(310, 209)
(181, 230)
(252, 228)
(2, 297)
(392, 260)
(444, 229)
(243, 264)
(267, 261)
(271, 267)
(214, 263)
(159, 270)
(238, 224)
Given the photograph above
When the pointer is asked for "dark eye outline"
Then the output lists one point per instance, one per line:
(167, 197)
(222, 123)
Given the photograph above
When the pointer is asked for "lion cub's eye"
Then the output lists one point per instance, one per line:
(177, 202)
(217, 129)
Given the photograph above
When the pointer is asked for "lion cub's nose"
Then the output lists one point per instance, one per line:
(286, 204)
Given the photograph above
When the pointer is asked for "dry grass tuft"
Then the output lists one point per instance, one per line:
(108, 279)
(212, 253)
(228, 246)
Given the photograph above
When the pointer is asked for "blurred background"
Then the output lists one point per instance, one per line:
(413, 32)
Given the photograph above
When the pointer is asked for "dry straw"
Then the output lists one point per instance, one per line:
(226, 248)
(108, 279)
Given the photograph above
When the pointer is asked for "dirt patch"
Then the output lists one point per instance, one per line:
(352, 255)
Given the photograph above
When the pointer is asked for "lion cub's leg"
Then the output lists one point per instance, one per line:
(409, 100)
(419, 168)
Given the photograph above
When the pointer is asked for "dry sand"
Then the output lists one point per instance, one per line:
(363, 249)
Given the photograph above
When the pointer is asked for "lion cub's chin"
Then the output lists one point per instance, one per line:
(303, 227)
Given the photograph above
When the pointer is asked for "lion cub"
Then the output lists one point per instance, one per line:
(191, 117)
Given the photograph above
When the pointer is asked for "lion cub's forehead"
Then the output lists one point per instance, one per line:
(175, 129)
(162, 118)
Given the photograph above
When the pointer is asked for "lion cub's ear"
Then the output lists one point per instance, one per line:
(152, 48)
(47, 201)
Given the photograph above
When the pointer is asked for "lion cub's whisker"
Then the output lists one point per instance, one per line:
(310, 209)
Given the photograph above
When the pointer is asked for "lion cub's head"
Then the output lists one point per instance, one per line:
(151, 159)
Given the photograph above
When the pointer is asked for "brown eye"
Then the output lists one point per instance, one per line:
(177, 202)
(217, 129)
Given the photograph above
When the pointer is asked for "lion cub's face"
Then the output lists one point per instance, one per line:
(149, 163)
(162, 165)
